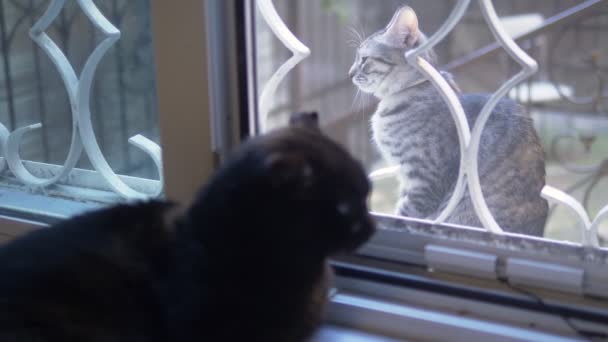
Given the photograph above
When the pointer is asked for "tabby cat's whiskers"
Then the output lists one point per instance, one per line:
(357, 97)
(356, 37)
(353, 43)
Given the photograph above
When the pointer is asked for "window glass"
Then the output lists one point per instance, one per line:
(49, 75)
(560, 128)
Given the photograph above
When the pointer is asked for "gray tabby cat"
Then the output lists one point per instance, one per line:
(412, 127)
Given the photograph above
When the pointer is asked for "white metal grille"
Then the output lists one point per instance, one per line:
(79, 92)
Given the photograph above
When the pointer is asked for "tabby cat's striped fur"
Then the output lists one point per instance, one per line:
(412, 127)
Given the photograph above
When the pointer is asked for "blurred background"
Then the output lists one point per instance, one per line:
(567, 98)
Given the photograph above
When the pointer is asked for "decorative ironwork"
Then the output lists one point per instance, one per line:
(299, 50)
(593, 173)
(589, 229)
(451, 99)
(79, 90)
(588, 68)
(529, 67)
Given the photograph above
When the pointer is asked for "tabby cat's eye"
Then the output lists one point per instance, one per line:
(385, 61)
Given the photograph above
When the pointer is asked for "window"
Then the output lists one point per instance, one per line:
(304, 50)
(321, 82)
(416, 278)
(89, 90)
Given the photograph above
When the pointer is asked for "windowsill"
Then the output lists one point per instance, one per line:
(370, 319)
(79, 184)
(336, 333)
(40, 208)
(410, 302)
(574, 269)
(80, 191)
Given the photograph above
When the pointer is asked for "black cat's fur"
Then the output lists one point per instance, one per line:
(245, 262)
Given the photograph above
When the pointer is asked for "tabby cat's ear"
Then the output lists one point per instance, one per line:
(305, 119)
(402, 31)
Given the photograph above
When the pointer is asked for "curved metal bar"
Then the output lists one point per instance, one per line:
(451, 21)
(594, 173)
(78, 91)
(68, 75)
(63, 65)
(588, 230)
(3, 137)
(12, 155)
(601, 215)
(155, 152)
(85, 125)
(298, 49)
(384, 172)
(464, 134)
(98, 19)
(529, 67)
(571, 188)
(450, 98)
(550, 24)
(16, 164)
(48, 17)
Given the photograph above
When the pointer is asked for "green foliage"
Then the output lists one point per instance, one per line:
(340, 8)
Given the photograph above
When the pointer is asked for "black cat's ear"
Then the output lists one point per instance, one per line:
(308, 120)
(402, 31)
(289, 169)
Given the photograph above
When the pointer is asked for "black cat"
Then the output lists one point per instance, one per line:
(245, 262)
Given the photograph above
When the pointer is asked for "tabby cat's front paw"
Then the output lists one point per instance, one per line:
(404, 208)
